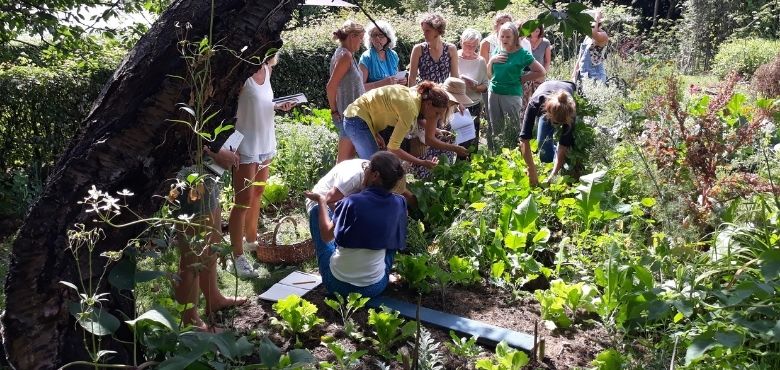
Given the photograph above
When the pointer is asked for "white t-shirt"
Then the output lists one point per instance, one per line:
(346, 176)
(475, 69)
(358, 266)
(255, 117)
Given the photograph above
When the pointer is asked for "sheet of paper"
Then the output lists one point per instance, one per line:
(466, 78)
(463, 126)
(401, 75)
(302, 280)
(296, 283)
(231, 143)
(281, 291)
(297, 99)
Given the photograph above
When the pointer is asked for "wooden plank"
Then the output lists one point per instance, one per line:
(488, 334)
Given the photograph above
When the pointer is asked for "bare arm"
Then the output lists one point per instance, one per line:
(434, 142)
(333, 196)
(537, 73)
(339, 70)
(484, 51)
(597, 34)
(547, 58)
(414, 62)
(453, 60)
(389, 80)
(325, 223)
(560, 159)
(525, 149)
(403, 155)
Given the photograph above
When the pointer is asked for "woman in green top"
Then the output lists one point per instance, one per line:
(397, 106)
(505, 95)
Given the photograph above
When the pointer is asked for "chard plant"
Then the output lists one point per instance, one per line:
(505, 359)
(345, 359)
(346, 308)
(389, 329)
(560, 297)
(298, 316)
(463, 347)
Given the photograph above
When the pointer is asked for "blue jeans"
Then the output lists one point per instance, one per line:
(544, 138)
(325, 250)
(358, 132)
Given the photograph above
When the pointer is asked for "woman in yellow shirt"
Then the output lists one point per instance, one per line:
(397, 106)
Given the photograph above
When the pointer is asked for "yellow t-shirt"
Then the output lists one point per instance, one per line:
(393, 105)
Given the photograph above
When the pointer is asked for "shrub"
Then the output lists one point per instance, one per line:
(304, 153)
(766, 80)
(744, 56)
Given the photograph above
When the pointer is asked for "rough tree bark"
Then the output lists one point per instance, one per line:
(126, 143)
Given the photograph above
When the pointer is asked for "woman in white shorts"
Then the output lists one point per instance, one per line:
(255, 119)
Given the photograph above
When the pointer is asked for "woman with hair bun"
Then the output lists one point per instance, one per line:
(553, 105)
(346, 81)
(434, 59)
(356, 246)
(394, 106)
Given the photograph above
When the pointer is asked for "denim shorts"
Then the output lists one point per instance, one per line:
(358, 132)
(257, 158)
(339, 123)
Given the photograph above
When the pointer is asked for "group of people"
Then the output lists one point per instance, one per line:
(384, 118)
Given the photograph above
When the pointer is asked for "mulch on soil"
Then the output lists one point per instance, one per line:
(574, 347)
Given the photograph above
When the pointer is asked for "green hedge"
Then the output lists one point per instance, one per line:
(744, 56)
(40, 110)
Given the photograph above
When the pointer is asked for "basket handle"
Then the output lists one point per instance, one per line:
(276, 228)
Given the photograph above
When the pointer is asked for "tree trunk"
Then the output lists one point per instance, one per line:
(126, 143)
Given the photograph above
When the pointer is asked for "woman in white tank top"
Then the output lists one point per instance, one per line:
(255, 119)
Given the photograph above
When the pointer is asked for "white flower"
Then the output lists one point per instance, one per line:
(186, 218)
(94, 193)
(126, 193)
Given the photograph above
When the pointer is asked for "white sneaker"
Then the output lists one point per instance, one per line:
(250, 247)
(243, 269)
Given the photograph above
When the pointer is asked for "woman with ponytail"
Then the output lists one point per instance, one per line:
(356, 242)
(394, 106)
(346, 81)
(554, 107)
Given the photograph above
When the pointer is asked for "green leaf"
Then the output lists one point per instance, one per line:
(94, 320)
(69, 285)
(478, 206)
(184, 360)
(770, 264)
(608, 360)
(122, 275)
(701, 344)
(500, 4)
(497, 269)
(542, 236)
(143, 276)
(269, 353)
(301, 356)
(648, 202)
(157, 315)
(515, 240)
(525, 215)
(730, 339)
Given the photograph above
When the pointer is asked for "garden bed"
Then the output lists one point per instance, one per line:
(576, 346)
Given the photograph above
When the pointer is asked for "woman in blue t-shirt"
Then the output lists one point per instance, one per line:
(355, 247)
(379, 63)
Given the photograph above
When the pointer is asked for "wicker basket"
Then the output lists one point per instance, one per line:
(268, 251)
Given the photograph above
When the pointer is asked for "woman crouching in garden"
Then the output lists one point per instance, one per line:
(356, 246)
(553, 105)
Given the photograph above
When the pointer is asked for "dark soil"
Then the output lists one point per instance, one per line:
(575, 347)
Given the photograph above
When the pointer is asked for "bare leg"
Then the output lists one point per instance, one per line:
(241, 179)
(255, 203)
(346, 150)
(187, 290)
(207, 277)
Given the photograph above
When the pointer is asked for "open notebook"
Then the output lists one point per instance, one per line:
(297, 283)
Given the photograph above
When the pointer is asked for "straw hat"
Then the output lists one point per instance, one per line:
(456, 90)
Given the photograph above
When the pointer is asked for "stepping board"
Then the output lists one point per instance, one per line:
(488, 334)
(297, 283)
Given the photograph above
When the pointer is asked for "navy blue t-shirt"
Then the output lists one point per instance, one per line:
(372, 219)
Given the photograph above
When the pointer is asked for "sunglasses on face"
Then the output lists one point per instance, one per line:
(377, 36)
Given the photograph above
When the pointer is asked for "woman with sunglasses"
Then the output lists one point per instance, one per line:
(356, 242)
(379, 63)
(554, 107)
